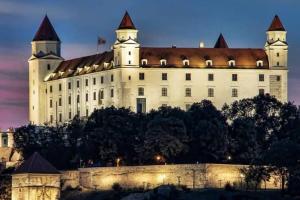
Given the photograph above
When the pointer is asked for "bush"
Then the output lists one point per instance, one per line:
(116, 187)
(229, 187)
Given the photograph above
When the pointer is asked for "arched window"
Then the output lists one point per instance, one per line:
(208, 63)
(163, 62)
(231, 63)
(144, 62)
(186, 62)
(259, 63)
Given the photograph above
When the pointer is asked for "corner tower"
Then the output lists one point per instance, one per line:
(45, 57)
(126, 47)
(276, 46)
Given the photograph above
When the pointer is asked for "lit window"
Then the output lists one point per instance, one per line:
(231, 63)
(188, 92)
(141, 76)
(259, 63)
(164, 92)
(234, 92)
(234, 77)
(186, 62)
(210, 77)
(163, 62)
(141, 91)
(261, 77)
(208, 63)
(211, 92)
(188, 77)
(164, 76)
(144, 62)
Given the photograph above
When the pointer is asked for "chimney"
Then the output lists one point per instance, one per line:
(201, 45)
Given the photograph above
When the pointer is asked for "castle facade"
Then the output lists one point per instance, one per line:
(145, 78)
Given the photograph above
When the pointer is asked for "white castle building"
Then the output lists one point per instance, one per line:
(145, 78)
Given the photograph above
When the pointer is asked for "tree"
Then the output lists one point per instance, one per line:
(255, 175)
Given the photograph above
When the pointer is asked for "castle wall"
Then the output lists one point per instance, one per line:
(190, 175)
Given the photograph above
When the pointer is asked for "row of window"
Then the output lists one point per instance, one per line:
(209, 63)
(164, 77)
(188, 92)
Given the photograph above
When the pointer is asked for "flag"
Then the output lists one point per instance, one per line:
(101, 41)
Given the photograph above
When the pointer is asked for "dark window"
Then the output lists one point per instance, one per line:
(129, 77)
(60, 117)
(112, 78)
(277, 63)
(70, 115)
(86, 82)
(59, 101)
(94, 81)
(129, 52)
(48, 67)
(86, 97)
(164, 76)
(51, 119)
(164, 92)
(188, 77)
(101, 94)
(102, 79)
(69, 85)
(234, 92)
(78, 84)
(50, 103)
(141, 76)
(129, 62)
(211, 92)
(210, 77)
(94, 95)
(278, 78)
(261, 91)
(278, 55)
(70, 100)
(87, 112)
(261, 77)
(188, 92)
(78, 99)
(111, 92)
(50, 88)
(234, 77)
(141, 91)
(59, 87)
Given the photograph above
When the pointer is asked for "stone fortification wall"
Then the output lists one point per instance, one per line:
(190, 175)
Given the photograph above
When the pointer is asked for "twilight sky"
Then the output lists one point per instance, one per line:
(160, 22)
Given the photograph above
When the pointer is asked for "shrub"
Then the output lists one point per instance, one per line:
(229, 187)
(116, 187)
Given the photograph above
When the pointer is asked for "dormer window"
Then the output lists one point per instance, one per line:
(163, 62)
(186, 62)
(144, 62)
(208, 63)
(259, 63)
(231, 63)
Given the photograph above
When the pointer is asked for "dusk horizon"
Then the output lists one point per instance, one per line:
(160, 24)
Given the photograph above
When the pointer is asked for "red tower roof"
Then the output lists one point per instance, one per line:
(46, 32)
(221, 43)
(276, 25)
(126, 22)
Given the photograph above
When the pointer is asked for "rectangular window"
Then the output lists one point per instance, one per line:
(261, 77)
(111, 92)
(188, 92)
(141, 76)
(278, 55)
(129, 52)
(59, 102)
(210, 77)
(94, 96)
(164, 92)
(50, 103)
(60, 117)
(261, 91)
(87, 112)
(234, 77)
(278, 78)
(50, 89)
(51, 119)
(59, 87)
(69, 85)
(101, 94)
(86, 97)
(234, 92)
(86, 82)
(70, 115)
(188, 77)
(94, 81)
(78, 84)
(112, 78)
(141, 91)
(102, 80)
(70, 100)
(211, 92)
(78, 99)
(164, 76)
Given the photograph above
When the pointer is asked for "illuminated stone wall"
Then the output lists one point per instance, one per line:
(35, 186)
(190, 175)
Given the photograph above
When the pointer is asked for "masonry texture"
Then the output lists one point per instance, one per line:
(190, 175)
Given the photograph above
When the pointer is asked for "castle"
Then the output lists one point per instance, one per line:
(145, 78)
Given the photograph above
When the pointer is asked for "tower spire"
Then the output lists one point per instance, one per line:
(126, 22)
(276, 25)
(46, 31)
(221, 43)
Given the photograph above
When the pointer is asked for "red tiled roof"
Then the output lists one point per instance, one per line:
(221, 43)
(244, 58)
(276, 25)
(36, 164)
(126, 22)
(46, 32)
